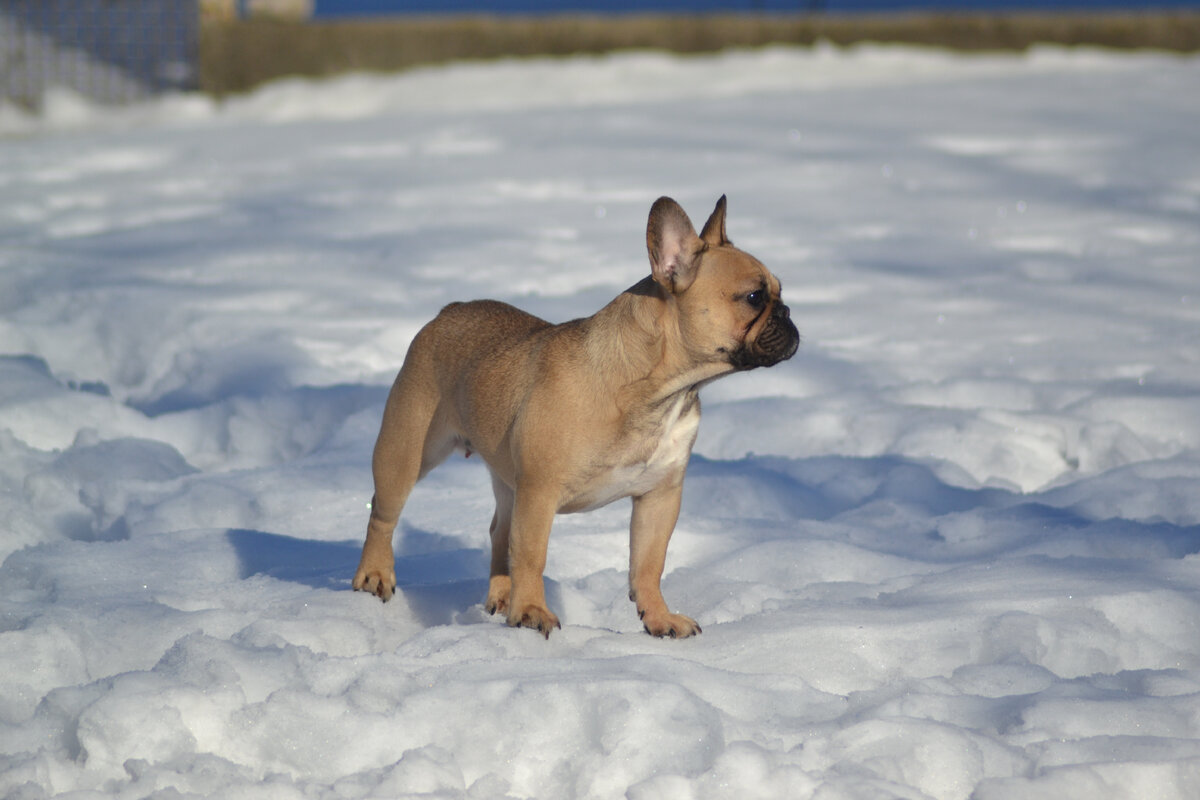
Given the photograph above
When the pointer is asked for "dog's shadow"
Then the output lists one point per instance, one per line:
(441, 581)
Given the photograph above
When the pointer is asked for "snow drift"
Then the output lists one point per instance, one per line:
(947, 551)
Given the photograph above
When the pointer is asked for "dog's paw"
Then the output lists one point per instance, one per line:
(499, 588)
(534, 616)
(676, 626)
(379, 582)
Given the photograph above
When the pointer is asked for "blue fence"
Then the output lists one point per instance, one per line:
(108, 50)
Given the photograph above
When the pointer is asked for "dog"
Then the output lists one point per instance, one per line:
(573, 416)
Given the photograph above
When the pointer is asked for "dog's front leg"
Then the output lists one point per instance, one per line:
(653, 521)
(529, 536)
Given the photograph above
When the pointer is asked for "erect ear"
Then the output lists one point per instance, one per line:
(714, 230)
(673, 244)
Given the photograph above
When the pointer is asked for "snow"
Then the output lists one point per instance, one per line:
(947, 551)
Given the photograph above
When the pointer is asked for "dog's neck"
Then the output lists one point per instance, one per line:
(646, 350)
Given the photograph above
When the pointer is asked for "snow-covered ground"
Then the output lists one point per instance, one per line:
(949, 550)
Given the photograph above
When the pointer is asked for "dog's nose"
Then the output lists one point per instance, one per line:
(783, 311)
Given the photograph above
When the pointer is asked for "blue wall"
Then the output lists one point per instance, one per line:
(335, 8)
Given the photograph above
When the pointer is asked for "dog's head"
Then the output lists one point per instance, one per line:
(729, 305)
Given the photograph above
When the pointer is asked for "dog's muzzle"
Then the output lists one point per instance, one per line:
(777, 342)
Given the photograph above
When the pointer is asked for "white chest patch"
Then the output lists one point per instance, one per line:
(670, 456)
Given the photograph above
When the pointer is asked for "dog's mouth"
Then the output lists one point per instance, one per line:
(777, 342)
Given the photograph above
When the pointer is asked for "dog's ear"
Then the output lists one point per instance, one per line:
(714, 230)
(673, 245)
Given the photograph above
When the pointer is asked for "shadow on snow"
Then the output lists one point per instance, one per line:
(885, 504)
(438, 585)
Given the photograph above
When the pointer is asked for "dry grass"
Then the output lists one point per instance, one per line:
(236, 56)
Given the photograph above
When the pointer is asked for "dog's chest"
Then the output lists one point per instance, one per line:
(669, 446)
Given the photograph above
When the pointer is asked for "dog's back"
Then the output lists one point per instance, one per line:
(463, 355)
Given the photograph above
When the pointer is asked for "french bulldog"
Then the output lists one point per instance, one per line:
(573, 416)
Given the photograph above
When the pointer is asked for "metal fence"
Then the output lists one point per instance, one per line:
(112, 51)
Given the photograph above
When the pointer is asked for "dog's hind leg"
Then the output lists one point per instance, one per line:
(500, 582)
(413, 439)
(533, 514)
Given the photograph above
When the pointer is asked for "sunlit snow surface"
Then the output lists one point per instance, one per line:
(947, 551)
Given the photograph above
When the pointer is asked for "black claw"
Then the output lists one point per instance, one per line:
(699, 629)
(641, 614)
(646, 628)
(672, 633)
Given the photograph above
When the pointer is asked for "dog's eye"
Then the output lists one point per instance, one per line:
(757, 299)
